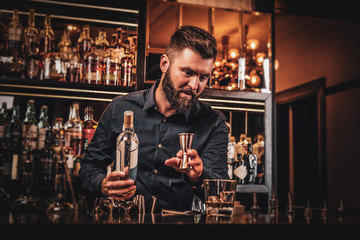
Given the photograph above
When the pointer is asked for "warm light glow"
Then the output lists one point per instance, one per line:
(233, 53)
(217, 64)
(260, 58)
(254, 80)
(276, 65)
(253, 44)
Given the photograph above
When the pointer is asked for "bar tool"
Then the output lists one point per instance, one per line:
(290, 211)
(307, 212)
(255, 209)
(324, 213)
(185, 143)
(341, 212)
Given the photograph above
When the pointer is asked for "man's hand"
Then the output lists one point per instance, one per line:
(195, 162)
(114, 185)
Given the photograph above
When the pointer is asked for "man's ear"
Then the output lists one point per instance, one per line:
(164, 63)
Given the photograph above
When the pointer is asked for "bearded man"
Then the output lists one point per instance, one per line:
(169, 107)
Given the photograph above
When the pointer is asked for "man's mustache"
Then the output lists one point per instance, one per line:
(188, 91)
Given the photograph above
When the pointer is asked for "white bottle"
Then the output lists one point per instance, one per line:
(127, 148)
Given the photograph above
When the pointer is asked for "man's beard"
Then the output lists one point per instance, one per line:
(178, 103)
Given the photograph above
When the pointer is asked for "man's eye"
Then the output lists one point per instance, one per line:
(187, 73)
(204, 78)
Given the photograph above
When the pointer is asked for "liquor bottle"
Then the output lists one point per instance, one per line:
(73, 129)
(251, 165)
(43, 126)
(111, 74)
(231, 155)
(31, 47)
(16, 131)
(26, 208)
(57, 138)
(47, 161)
(46, 38)
(29, 125)
(94, 60)
(90, 125)
(68, 153)
(127, 66)
(5, 147)
(65, 54)
(240, 171)
(85, 42)
(127, 148)
(3, 120)
(15, 67)
(14, 36)
(60, 210)
(74, 68)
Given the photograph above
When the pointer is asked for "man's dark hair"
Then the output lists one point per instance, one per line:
(194, 38)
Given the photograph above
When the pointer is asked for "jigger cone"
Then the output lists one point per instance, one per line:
(185, 143)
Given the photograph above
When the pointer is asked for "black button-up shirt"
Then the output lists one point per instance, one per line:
(158, 141)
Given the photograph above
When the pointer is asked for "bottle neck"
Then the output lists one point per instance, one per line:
(27, 177)
(60, 182)
(31, 21)
(15, 19)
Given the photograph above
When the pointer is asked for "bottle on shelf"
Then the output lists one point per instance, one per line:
(127, 66)
(5, 144)
(29, 125)
(60, 210)
(46, 36)
(231, 155)
(90, 125)
(16, 132)
(251, 165)
(47, 161)
(57, 137)
(46, 39)
(65, 55)
(68, 153)
(94, 60)
(85, 42)
(43, 126)
(74, 68)
(240, 171)
(15, 65)
(31, 47)
(26, 207)
(73, 132)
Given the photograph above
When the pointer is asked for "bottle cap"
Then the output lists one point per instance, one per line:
(128, 119)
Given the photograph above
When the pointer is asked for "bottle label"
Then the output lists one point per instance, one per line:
(2, 131)
(14, 34)
(33, 68)
(32, 132)
(88, 134)
(69, 158)
(127, 157)
(41, 138)
(46, 166)
(14, 167)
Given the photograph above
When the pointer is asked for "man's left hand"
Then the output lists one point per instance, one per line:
(195, 162)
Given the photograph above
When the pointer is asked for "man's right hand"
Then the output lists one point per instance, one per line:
(115, 186)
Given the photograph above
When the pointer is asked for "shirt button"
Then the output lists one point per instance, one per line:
(159, 145)
(156, 171)
(164, 120)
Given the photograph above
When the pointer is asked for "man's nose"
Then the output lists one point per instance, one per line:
(194, 83)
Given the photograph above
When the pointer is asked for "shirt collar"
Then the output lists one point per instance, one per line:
(150, 100)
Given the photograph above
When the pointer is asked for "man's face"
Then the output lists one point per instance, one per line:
(185, 79)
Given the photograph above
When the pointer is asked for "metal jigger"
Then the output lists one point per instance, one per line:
(185, 143)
